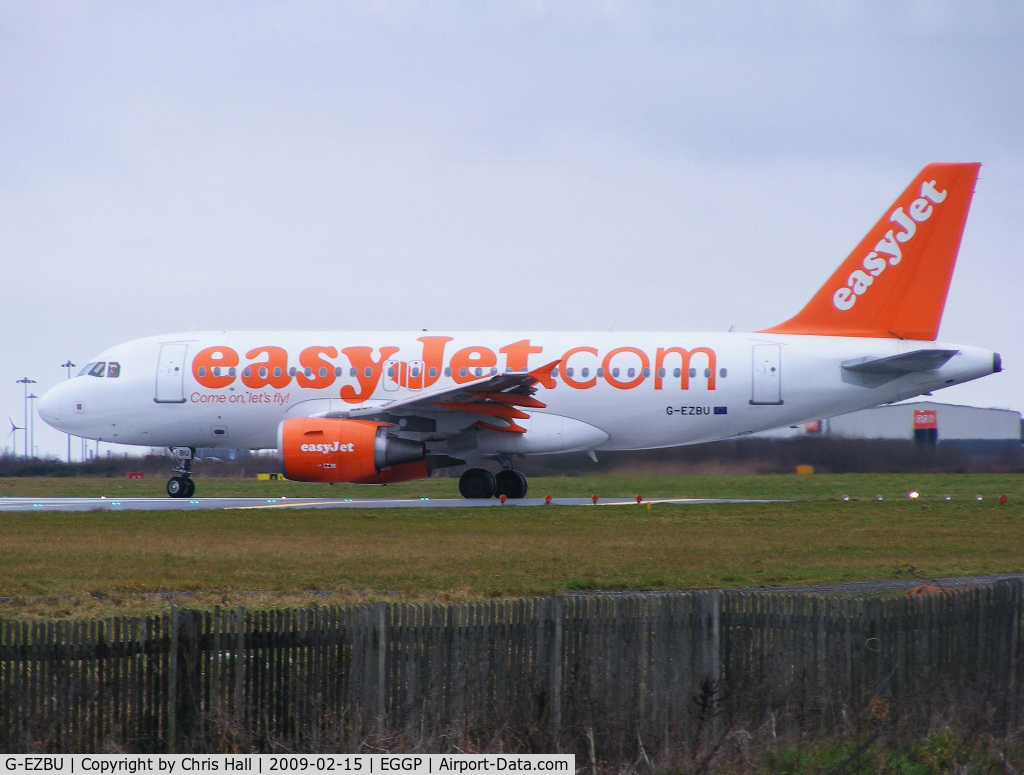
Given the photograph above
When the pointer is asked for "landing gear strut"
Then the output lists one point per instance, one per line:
(182, 486)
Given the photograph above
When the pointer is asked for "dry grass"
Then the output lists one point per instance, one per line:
(96, 564)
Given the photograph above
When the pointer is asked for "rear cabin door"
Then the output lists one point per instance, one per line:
(767, 382)
(170, 374)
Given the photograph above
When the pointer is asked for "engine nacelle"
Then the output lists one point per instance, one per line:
(327, 450)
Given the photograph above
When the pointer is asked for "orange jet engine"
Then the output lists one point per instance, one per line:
(327, 450)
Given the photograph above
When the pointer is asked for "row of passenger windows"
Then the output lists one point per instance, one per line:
(101, 368)
(432, 372)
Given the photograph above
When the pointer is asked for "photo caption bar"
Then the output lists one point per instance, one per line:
(365, 764)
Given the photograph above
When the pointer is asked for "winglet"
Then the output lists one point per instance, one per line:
(894, 284)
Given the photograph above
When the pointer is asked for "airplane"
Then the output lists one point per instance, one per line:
(382, 407)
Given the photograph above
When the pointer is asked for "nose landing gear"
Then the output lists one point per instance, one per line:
(182, 486)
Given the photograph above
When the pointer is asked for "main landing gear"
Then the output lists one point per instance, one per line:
(182, 486)
(481, 483)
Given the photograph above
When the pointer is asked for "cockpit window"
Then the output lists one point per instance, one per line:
(98, 369)
(85, 369)
(113, 369)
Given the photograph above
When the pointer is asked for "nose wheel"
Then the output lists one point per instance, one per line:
(181, 485)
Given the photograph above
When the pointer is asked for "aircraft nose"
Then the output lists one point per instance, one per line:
(49, 407)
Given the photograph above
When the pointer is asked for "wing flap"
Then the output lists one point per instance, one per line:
(496, 401)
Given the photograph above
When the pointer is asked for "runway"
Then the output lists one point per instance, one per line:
(194, 504)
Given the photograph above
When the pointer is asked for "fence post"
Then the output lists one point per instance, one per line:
(172, 682)
(373, 694)
(240, 661)
(1012, 693)
(380, 653)
(556, 615)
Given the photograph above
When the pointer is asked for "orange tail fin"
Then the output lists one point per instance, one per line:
(894, 284)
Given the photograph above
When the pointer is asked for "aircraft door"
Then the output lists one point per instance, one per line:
(170, 374)
(767, 381)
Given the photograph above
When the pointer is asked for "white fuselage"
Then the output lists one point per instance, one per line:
(610, 391)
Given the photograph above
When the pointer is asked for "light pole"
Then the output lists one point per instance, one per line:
(26, 382)
(32, 426)
(69, 366)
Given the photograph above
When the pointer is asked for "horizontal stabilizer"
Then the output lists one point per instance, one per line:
(896, 365)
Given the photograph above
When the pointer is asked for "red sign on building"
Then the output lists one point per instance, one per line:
(925, 419)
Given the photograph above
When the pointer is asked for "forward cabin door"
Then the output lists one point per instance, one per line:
(767, 382)
(170, 374)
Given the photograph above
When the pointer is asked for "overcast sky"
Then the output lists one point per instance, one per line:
(466, 165)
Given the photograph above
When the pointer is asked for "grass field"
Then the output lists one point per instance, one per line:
(103, 563)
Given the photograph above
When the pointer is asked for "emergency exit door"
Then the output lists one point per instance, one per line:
(767, 382)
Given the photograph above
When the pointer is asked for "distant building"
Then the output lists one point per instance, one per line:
(926, 422)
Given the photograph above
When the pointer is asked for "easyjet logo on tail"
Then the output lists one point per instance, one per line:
(888, 251)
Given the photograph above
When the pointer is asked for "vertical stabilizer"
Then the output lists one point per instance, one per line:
(894, 284)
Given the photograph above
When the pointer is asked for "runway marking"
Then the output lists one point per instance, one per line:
(633, 502)
(288, 505)
(18, 504)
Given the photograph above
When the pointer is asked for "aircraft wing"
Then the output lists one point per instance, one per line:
(489, 403)
(898, 365)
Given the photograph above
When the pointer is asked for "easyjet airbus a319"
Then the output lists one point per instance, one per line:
(386, 407)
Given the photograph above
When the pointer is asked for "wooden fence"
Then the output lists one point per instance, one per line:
(619, 669)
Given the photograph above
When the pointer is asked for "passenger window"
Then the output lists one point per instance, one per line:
(113, 369)
(98, 369)
(432, 371)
